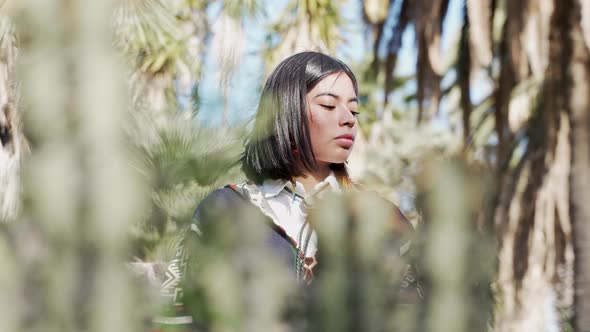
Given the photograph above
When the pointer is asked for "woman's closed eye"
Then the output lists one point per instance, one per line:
(331, 107)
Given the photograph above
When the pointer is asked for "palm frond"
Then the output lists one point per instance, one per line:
(183, 163)
(228, 45)
(146, 28)
(305, 25)
(242, 8)
(163, 45)
(228, 42)
(179, 151)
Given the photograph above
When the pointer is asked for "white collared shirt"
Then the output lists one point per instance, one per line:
(290, 210)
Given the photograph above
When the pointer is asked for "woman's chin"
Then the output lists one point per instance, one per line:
(340, 159)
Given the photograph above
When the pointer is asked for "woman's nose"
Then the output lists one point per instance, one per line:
(346, 118)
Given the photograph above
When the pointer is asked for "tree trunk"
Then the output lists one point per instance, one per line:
(534, 224)
(579, 78)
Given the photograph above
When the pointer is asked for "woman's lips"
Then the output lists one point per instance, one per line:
(345, 140)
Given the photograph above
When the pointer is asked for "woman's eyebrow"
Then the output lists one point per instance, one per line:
(353, 99)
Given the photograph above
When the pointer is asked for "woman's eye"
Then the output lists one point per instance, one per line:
(354, 113)
(328, 106)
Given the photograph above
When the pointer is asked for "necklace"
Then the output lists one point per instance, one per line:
(302, 254)
(302, 246)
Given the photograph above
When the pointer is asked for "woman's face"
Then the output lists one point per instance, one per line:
(332, 109)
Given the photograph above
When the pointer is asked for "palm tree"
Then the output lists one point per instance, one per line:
(535, 53)
(164, 44)
(576, 34)
(305, 25)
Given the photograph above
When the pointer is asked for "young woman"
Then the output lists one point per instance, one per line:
(304, 132)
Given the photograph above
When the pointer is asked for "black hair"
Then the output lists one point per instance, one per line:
(280, 125)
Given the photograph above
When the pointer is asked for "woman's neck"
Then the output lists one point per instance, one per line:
(310, 180)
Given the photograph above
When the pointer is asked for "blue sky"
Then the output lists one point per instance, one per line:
(244, 91)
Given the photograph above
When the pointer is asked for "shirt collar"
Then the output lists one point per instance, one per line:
(272, 187)
(329, 183)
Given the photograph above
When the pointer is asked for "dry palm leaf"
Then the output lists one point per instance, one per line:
(585, 20)
(464, 75)
(375, 11)
(229, 35)
(428, 19)
(306, 25)
(536, 36)
(394, 44)
(480, 40)
(517, 14)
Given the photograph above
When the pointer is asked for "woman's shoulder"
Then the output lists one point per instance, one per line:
(221, 198)
(223, 201)
(221, 195)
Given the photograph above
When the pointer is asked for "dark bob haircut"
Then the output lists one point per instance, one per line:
(281, 123)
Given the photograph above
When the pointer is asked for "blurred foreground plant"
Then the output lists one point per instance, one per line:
(456, 247)
(80, 192)
(370, 267)
(13, 145)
